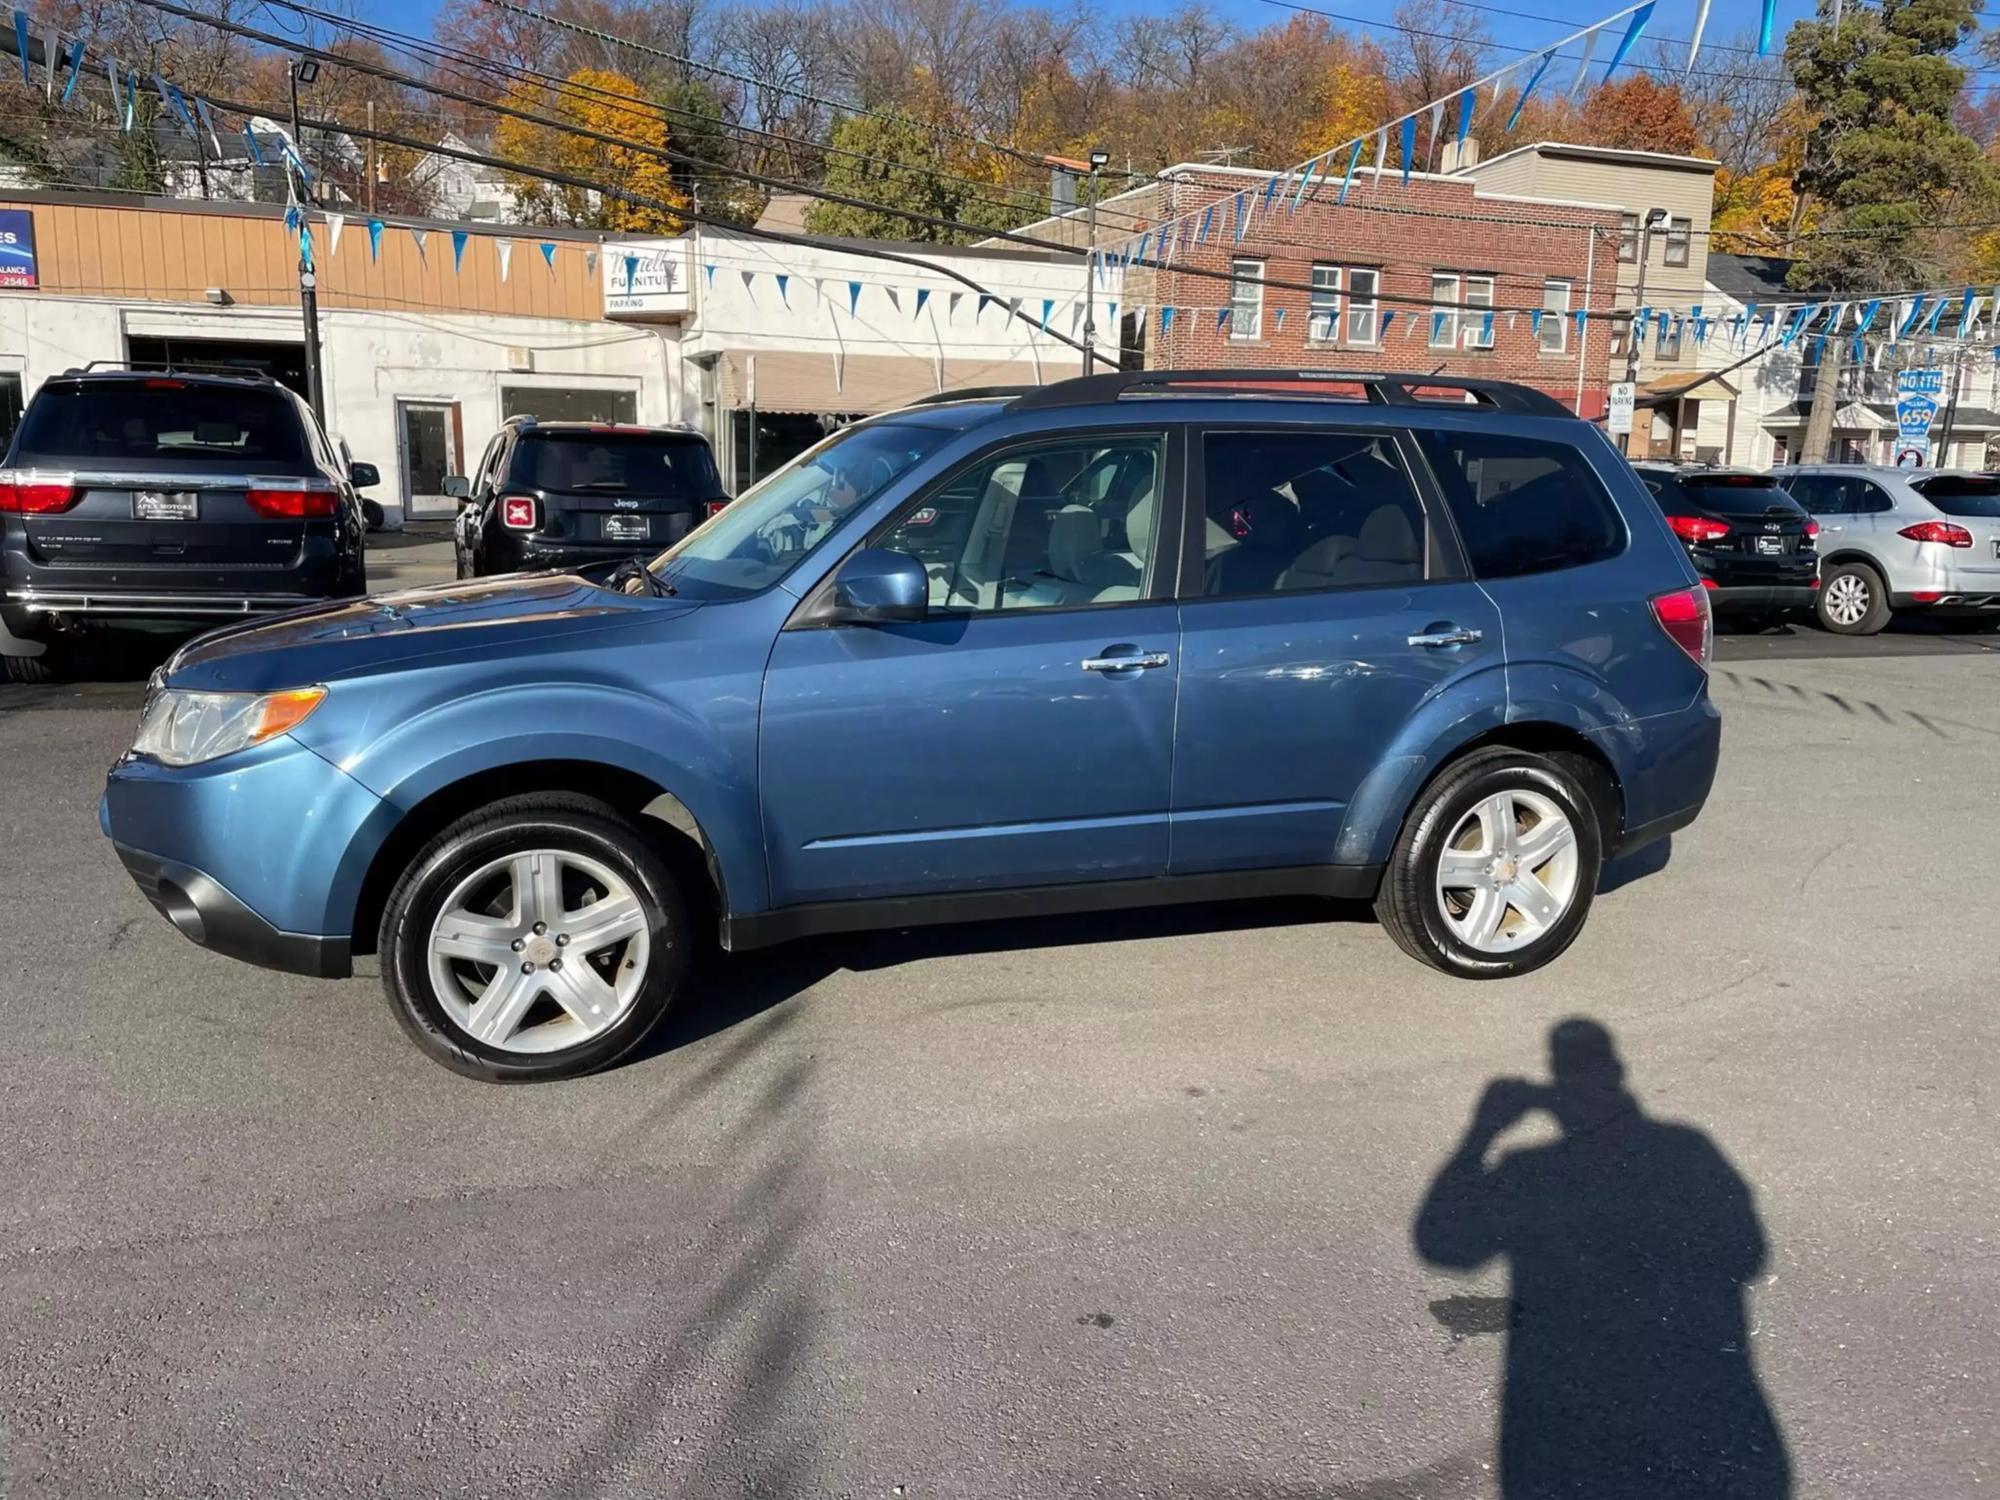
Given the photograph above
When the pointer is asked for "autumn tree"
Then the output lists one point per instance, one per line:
(594, 101)
(1640, 113)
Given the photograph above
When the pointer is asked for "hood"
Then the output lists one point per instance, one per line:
(354, 637)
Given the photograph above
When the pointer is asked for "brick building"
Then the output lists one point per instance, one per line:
(1355, 286)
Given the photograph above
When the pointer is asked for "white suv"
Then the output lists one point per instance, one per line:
(1901, 539)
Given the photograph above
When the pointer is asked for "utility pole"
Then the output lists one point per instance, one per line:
(307, 68)
(1098, 159)
(371, 155)
(1636, 333)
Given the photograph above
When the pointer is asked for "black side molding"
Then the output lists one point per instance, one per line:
(762, 929)
(210, 916)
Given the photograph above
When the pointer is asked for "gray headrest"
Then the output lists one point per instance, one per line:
(1074, 539)
(1139, 526)
(1387, 536)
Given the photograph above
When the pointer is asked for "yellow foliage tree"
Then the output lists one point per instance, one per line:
(1759, 212)
(640, 168)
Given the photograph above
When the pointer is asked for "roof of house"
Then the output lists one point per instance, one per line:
(1748, 277)
(1616, 155)
(786, 212)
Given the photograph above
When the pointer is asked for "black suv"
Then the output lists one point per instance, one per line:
(164, 498)
(567, 494)
(1753, 544)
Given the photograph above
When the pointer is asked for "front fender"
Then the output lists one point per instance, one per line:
(701, 759)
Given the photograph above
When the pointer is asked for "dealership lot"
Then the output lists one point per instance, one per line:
(1119, 1204)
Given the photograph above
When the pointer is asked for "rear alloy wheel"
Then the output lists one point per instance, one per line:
(1496, 866)
(539, 939)
(1852, 600)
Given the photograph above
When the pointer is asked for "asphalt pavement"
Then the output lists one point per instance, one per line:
(1120, 1205)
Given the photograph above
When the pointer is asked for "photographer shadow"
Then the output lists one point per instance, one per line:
(1629, 1240)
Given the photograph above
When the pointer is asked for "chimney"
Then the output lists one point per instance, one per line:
(1456, 157)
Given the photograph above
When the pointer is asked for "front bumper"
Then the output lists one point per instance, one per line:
(259, 855)
(208, 914)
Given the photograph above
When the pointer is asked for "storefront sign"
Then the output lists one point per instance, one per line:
(648, 279)
(17, 248)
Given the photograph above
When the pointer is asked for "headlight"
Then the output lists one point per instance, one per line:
(181, 728)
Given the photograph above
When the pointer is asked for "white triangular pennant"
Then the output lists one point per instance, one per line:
(334, 224)
(505, 250)
(420, 236)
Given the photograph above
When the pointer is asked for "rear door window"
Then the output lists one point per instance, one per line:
(642, 465)
(162, 421)
(1523, 505)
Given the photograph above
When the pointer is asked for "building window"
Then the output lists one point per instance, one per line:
(1363, 316)
(1555, 315)
(1621, 334)
(1668, 344)
(1246, 299)
(1479, 312)
(1323, 312)
(1444, 314)
(1680, 235)
(1628, 237)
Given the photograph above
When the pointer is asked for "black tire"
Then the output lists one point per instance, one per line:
(33, 670)
(1407, 904)
(562, 821)
(1873, 618)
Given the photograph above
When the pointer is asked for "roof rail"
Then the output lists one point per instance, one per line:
(1379, 388)
(977, 393)
(172, 367)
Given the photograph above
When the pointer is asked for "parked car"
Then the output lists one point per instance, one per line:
(156, 499)
(1896, 540)
(567, 494)
(1752, 544)
(1345, 639)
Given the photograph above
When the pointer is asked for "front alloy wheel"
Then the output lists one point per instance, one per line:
(540, 938)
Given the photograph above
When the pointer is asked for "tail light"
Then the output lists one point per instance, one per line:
(1697, 528)
(517, 512)
(1938, 531)
(1684, 616)
(27, 493)
(290, 505)
(1812, 530)
(712, 508)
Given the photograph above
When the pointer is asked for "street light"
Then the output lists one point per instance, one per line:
(1098, 159)
(306, 70)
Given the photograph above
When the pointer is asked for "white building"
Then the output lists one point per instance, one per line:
(776, 344)
(1749, 406)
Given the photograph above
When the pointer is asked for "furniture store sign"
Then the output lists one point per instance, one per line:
(17, 248)
(645, 278)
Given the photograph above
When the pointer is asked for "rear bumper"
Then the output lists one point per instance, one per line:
(206, 913)
(1951, 601)
(520, 554)
(1736, 599)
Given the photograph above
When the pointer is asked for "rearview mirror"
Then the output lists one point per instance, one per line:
(457, 486)
(363, 476)
(880, 587)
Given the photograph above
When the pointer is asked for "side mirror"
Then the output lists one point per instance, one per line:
(880, 587)
(457, 486)
(363, 476)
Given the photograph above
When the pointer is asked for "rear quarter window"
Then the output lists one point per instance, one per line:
(1973, 495)
(162, 422)
(1523, 505)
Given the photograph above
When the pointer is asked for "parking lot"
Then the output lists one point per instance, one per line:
(1122, 1204)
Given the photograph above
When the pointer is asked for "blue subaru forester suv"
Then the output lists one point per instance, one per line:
(1121, 640)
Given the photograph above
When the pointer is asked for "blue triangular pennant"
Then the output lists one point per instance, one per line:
(980, 311)
(374, 239)
(853, 298)
(1347, 181)
(708, 270)
(631, 272)
(1408, 138)
(784, 281)
(548, 248)
(1632, 29)
(1166, 319)
(923, 296)
(1221, 318)
(458, 239)
(1533, 79)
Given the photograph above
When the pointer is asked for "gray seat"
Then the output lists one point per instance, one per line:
(1139, 534)
(1387, 551)
(1317, 567)
(1077, 558)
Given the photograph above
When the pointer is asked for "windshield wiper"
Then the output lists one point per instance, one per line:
(632, 568)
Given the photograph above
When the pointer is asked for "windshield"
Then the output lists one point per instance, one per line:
(616, 463)
(1962, 494)
(777, 524)
(206, 425)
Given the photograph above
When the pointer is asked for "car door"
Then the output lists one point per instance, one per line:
(1021, 734)
(1326, 604)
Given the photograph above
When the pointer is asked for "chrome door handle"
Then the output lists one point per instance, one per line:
(1123, 663)
(1451, 637)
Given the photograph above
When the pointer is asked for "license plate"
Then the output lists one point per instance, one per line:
(163, 505)
(1770, 544)
(625, 529)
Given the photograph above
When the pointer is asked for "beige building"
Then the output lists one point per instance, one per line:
(1676, 195)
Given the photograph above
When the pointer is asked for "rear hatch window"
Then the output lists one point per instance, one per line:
(160, 423)
(612, 487)
(1738, 494)
(1962, 494)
